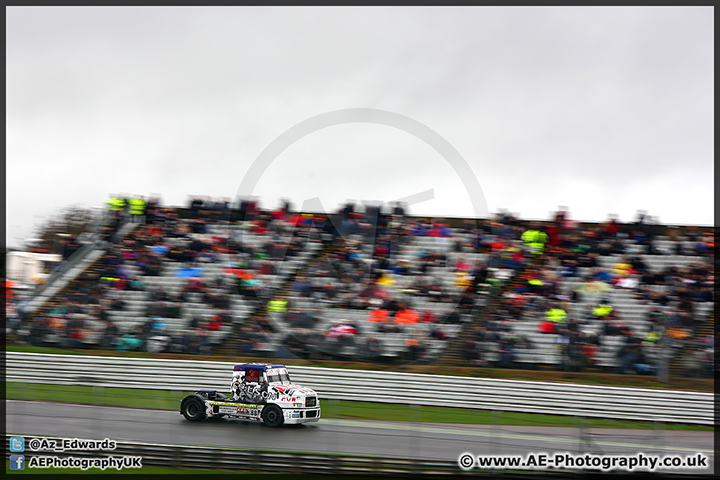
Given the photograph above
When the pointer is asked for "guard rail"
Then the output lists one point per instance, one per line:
(658, 405)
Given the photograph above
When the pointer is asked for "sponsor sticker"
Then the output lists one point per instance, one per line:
(238, 410)
(227, 404)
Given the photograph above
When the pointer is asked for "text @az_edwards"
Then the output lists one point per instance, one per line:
(42, 444)
(588, 461)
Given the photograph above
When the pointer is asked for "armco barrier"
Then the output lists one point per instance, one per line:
(375, 386)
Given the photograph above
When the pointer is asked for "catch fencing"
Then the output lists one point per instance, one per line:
(593, 401)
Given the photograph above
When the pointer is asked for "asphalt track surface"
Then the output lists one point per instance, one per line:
(432, 441)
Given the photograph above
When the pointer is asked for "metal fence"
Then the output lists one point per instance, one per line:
(376, 386)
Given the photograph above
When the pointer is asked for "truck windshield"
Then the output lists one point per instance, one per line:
(279, 377)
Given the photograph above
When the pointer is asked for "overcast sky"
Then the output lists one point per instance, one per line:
(601, 109)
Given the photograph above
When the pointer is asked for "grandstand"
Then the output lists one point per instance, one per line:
(633, 312)
(395, 343)
(214, 280)
(169, 281)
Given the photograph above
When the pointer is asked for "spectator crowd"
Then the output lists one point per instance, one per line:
(367, 270)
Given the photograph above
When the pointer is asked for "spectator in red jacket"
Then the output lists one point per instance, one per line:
(611, 227)
(554, 237)
(428, 317)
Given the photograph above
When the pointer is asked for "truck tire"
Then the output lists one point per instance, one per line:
(193, 408)
(272, 416)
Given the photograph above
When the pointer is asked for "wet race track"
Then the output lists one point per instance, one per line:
(355, 437)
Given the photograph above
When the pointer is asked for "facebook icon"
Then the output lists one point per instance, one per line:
(17, 462)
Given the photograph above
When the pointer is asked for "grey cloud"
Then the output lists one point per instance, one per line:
(191, 95)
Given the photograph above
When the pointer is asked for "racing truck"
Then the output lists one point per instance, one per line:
(261, 392)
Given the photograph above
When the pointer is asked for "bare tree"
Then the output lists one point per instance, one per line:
(68, 222)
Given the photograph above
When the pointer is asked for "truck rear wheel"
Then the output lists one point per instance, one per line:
(193, 409)
(272, 416)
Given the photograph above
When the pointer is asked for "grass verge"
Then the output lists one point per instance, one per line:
(170, 400)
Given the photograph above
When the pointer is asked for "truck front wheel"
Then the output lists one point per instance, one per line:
(272, 416)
